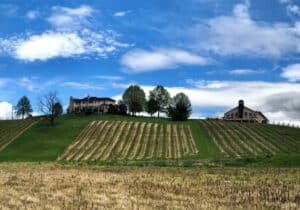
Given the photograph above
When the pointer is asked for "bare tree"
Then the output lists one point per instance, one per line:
(47, 105)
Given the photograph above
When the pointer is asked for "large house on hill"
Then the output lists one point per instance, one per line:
(90, 105)
(242, 113)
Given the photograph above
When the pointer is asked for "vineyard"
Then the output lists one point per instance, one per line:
(244, 139)
(128, 140)
(11, 129)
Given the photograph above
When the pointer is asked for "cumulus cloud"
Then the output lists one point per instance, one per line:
(240, 35)
(49, 45)
(285, 104)
(243, 71)
(291, 73)
(70, 36)
(139, 60)
(5, 110)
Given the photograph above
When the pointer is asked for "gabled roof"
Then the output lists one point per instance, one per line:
(258, 112)
(262, 115)
(238, 107)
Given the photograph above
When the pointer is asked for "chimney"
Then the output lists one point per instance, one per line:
(241, 108)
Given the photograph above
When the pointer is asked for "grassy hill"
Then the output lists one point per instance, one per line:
(116, 138)
(11, 129)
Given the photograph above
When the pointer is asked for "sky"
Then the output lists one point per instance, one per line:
(215, 51)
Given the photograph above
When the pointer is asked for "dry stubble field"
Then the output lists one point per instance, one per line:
(49, 186)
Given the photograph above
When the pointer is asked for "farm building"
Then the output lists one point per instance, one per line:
(244, 114)
(90, 105)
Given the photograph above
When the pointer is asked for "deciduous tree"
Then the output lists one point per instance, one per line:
(180, 107)
(47, 105)
(134, 98)
(162, 98)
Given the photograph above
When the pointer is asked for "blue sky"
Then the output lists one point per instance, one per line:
(215, 51)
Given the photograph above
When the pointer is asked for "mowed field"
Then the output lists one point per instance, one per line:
(11, 129)
(49, 186)
(246, 139)
(125, 140)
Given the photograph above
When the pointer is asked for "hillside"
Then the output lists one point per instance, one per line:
(117, 138)
(245, 139)
(11, 129)
(108, 140)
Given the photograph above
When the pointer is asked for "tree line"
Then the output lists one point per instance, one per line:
(177, 108)
(133, 101)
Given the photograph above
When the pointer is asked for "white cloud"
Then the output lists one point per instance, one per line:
(291, 72)
(294, 9)
(243, 71)
(109, 77)
(5, 110)
(66, 18)
(71, 36)
(32, 14)
(240, 35)
(121, 13)
(54, 44)
(139, 60)
(82, 86)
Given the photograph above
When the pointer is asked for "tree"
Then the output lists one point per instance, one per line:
(180, 108)
(112, 109)
(122, 108)
(151, 106)
(58, 109)
(47, 105)
(162, 98)
(134, 98)
(23, 107)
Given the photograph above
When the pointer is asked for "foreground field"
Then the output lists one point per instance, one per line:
(48, 186)
(111, 140)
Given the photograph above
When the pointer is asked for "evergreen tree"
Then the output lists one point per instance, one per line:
(23, 107)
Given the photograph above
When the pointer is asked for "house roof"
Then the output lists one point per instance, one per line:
(262, 115)
(89, 98)
(238, 107)
(258, 112)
